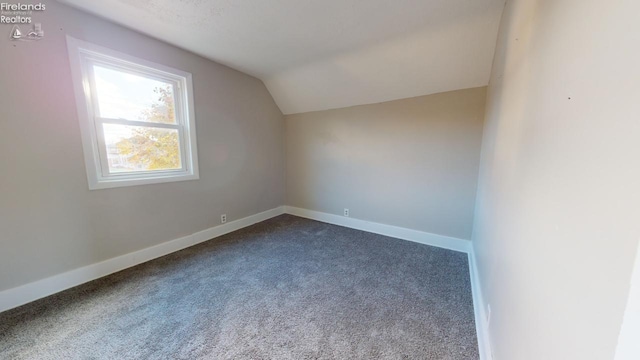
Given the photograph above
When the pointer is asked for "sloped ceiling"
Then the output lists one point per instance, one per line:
(324, 54)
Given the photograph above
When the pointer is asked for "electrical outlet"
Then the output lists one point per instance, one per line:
(346, 212)
(223, 218)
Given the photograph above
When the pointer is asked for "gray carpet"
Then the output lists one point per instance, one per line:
(286, 288)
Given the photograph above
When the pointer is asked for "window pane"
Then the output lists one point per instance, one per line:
(141, 148)
(122, 95)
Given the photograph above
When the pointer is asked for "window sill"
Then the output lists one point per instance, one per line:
(115, 183)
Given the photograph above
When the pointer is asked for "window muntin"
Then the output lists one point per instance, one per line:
(136, 117)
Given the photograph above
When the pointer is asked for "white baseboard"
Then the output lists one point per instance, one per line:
(421, 237)
(21, 295)
(36, 290)
(482, 325)
(450, 243)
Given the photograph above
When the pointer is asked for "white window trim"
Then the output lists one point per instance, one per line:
(94, 157)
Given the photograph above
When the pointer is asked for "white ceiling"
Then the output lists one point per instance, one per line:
(324, 54)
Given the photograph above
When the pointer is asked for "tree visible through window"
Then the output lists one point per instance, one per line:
(151, 147)
(138, 125)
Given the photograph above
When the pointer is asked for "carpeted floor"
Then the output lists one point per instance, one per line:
(286, 288)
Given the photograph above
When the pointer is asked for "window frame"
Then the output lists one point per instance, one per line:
(82, 57)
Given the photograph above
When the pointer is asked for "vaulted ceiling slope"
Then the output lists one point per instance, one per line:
(324, 54)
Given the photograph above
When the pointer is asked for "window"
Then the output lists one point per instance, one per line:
(136, 118)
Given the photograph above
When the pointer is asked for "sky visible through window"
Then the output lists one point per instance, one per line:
(123, 95)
